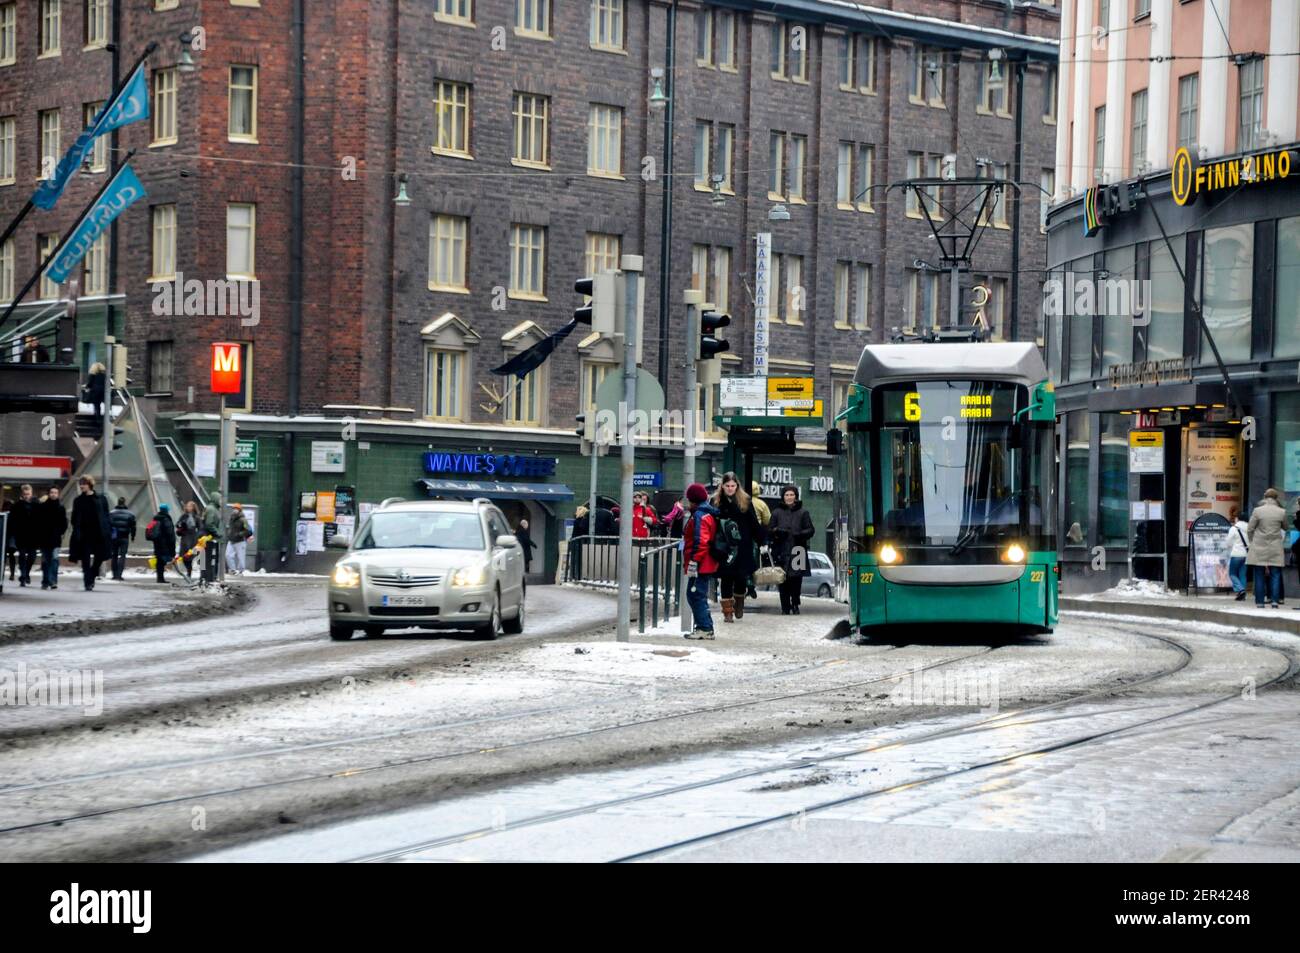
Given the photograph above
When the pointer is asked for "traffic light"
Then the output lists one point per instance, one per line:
(117, 432)
(88, 425)
(602, 294)
(583, 315)
(710, 346)
(582, 427)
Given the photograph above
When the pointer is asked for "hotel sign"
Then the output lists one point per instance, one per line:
(1177, 370)
(1189, 178)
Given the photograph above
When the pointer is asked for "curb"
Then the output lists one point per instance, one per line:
(1179, 613)
(235, 599)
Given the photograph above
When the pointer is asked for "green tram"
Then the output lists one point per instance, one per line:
(945, 487)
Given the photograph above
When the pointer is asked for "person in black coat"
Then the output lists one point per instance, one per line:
(92, 534)
(734, 504)
(164, 540)
(122, 521)
(51, 524)
(96, 391)
(22, 532)
(791, 530)
(526, 543)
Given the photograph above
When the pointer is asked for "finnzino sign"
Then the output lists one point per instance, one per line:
(489, 464)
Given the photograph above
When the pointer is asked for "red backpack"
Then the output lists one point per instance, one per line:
(151, 531)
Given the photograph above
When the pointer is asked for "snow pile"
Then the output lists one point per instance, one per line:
(681, 659)
(1138, 589)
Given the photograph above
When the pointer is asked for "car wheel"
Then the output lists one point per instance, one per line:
(824, 591)
(516, 625)
(340, 633)
(492, 628)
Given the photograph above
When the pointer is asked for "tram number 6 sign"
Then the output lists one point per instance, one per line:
(912, 406)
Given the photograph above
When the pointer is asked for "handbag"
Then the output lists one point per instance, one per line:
(770, 574)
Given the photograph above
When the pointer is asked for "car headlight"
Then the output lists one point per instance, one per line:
(1015, 553)
(346, 576)
(889, 555)
(469, 576)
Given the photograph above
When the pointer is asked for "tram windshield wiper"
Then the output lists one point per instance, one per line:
(968, 537)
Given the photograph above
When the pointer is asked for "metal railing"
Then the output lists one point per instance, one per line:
(659, 580)
(592, 561)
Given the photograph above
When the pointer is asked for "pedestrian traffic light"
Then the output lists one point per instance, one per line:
(710, 323)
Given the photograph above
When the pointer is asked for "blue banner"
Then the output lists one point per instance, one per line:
(130, 105)
(116, 199)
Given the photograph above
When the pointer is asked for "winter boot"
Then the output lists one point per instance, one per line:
(740, 606)
(728, 610)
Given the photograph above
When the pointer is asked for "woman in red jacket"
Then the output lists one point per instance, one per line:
(701, 524)
(643, 516)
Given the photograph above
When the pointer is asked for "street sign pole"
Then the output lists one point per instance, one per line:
(693, 299)
(631, 267)
(223, 476)
(591, 509)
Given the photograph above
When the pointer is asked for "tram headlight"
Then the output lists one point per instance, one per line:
(889, 555)
(1015, 553)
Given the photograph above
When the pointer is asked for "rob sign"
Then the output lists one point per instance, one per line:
(227, 368)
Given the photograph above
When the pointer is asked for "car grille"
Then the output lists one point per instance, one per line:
(404, 610)
(391, 580)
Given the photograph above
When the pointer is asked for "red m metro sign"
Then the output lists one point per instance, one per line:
(227, 368)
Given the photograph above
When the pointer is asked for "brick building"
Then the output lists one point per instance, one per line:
(524, 134)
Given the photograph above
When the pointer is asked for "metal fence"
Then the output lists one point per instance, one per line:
(593, 561)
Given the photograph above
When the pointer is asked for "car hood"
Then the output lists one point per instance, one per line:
(414, 559)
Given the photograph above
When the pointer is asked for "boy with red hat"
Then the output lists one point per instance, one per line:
(701, 525)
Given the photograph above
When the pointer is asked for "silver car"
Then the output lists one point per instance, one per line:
(430, 565)
(820, 580)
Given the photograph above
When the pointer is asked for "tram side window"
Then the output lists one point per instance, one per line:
(1042, 504)
(862, 529)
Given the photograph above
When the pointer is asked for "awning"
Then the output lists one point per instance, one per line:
(1157, 396)
(469, 489)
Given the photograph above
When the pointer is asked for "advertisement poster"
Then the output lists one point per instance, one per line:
(327, 456)
(325, 507)
(1211, 548)
(205, 460)
(307, 505)
(345, 501)
(1291, 466)
(1212, 482)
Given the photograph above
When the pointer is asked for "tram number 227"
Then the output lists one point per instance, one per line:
(1036, 575)
(866, 577)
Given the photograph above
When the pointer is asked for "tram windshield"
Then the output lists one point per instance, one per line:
(959, 467)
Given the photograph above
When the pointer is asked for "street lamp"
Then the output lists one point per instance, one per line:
(778, 213)
(658, 99)
(186, 63)
(402, 199)
(718, 198)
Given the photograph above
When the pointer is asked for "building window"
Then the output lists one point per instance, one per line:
(1049, 91)
(1165, 332)
(921, 306)
(798, 160)
(96, 20)
(1189, 105)
(1047, 184)
(786, 181)
(454, 11)
(444, 384)
(602, 253)
(700, 269)
(50, 148)
(858, 63)
(45, 244)
(995, 93)
(789, 51)
(8, 143)
(593, 375)
(703, 133)
(1141, 8)
(242, 104)
(704, 37)
(241, 240)
(1138, 140)
(605, 141)
(173, 4)
(451, 118)
(726, 152)
(843, 281)
(1099, 144)
(51, 27)
(1080, 366)
(523, 406)
(95, 268)
(1078, 455)
(1251, 105)
(1226, 289)
(533, 17)
(776, 165)
(722, 279)
(927, 76)
(160, 367)
(531, 113)
(862, 297)
(795, 297)
(844, 176)
(1103, 15)
(528, 262)
(163, 267)
(775, 305)
(8, 33)
(99, 151)
(607, 24)
(998, 201)
(1116, 324)
(164, 106)
(1286, 436)
(1286, 333)
(921, 165)
(7, 271)
(715, 38)
(448, 251)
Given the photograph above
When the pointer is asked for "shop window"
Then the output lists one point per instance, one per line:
(1115, 304)
(1113, 488)
(1053, 325)
(1077, 457)
(1286, 442)
(1226, 282)
(1286, 329)
(1080, 326)
(1165, 332)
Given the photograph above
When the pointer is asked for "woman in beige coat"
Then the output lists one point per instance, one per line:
(1265, 535)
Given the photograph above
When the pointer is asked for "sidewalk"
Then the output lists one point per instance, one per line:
(29, 614)
(1167, 604)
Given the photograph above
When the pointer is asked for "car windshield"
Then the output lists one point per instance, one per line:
(423, 530)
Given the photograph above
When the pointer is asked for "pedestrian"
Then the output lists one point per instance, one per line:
(22, 533)
(735, 506)
(51, 524)
(122, 521)
(161, 531)
(211, 525)
(238, 533)
(791, 530)
(675, 518)
(526, 543)
(1237, 557)
(10, 545)
(1264, 535)
(581, 536)
(188, 528)
(644, 517)
(92, 535)
(96, 390)
(34, 352)
(697, 534)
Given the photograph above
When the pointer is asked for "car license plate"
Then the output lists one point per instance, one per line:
(404, 601)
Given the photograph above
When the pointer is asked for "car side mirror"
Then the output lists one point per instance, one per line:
(507, 541)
